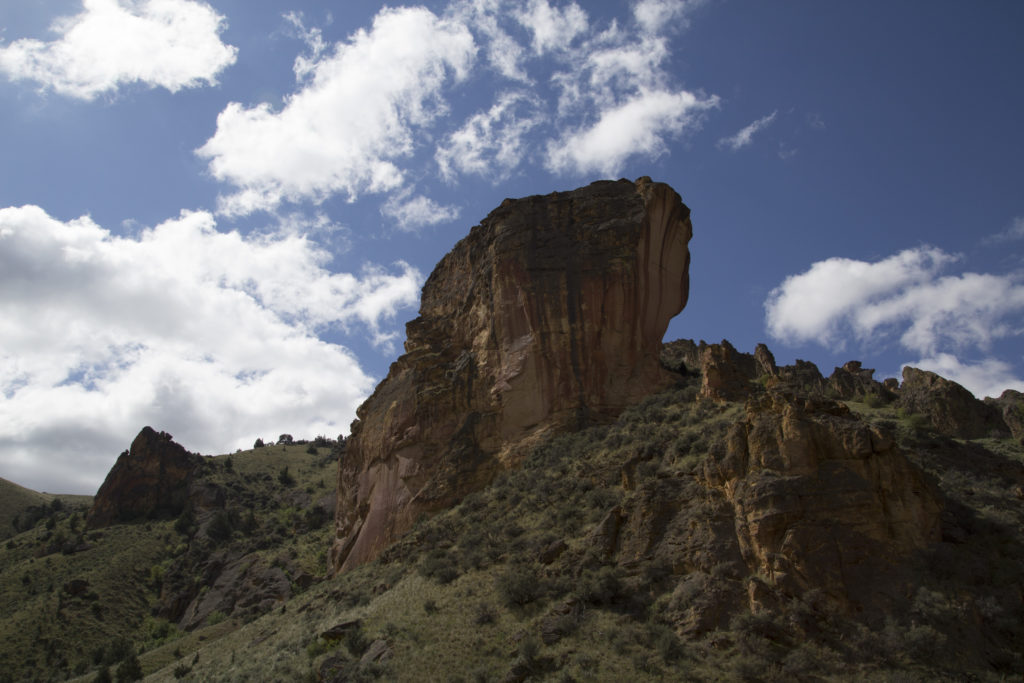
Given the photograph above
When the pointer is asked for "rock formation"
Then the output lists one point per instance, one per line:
(548, 315)
(151, 478)
(820, 497)
(1010, 404)
(951, 409)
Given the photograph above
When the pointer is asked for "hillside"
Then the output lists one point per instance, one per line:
(20, 507)
(73, 597)
(514, 583)
(540, 489)
(519, 581)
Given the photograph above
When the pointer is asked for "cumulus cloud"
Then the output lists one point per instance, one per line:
(905, 295)
(413, 212)
(819, 304)
(654, 15)
(552, 28)
(746, 134)
(491, 143)
(172, 44)
(351, 121)
(618, 91)
(364, 109)
(210, 335)
(637, 126)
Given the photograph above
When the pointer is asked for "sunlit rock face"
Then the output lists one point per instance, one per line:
(821, 498)
(549, 315)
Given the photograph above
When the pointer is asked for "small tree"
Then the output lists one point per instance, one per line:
(259, 444)
(284, 440)
(129, 669)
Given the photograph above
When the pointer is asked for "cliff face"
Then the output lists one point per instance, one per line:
(548, 315)
(821, 498)
(151, 478)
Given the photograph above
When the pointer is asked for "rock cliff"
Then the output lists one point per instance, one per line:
(821, 499)
(548, 315)
(149, 479)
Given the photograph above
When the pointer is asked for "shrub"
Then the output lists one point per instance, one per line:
(285, 478)
(259, 444)
(440, 566)
(519, 584)
(485, 614)
(129, 669)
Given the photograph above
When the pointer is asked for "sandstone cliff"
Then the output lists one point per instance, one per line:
(548, 315)
(821, 499)
(149, 479)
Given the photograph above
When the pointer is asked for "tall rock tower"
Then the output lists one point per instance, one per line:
(549, 315)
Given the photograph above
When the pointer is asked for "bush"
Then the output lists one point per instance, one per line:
(129, 669)
(520, 584)
(285, 478)
(440, 566)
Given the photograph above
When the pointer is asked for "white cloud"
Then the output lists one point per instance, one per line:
(172, 44)
(616, 99)
(343, 131)
(1011, 234)
(491, 143)
(412, 212)
(209, 335)
(638, 126)
(905, 295)
(504, 54)
(746, 135)
(988, 377)
(654, 15)
(552, 28)
(819, 304)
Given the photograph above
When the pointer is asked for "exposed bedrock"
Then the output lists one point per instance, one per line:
(548, 315)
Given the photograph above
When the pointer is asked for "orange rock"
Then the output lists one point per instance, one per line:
(549, 315)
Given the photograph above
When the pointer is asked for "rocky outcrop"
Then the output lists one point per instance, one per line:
(241, 586)
(951, 409)
(152, 478)
(852, 381)
(548, 315)
(820, 497)
(728, 374)
(1010, 405)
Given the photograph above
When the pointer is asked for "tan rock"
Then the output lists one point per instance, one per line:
(549, 315)
(821, 498)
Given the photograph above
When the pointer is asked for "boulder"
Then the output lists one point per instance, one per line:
(549, 315)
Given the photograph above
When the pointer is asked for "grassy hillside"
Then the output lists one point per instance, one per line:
(472, 594)
(20, 507)
(511, 584)
(74, 601)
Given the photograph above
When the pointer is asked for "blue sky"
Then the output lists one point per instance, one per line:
(215, 216)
